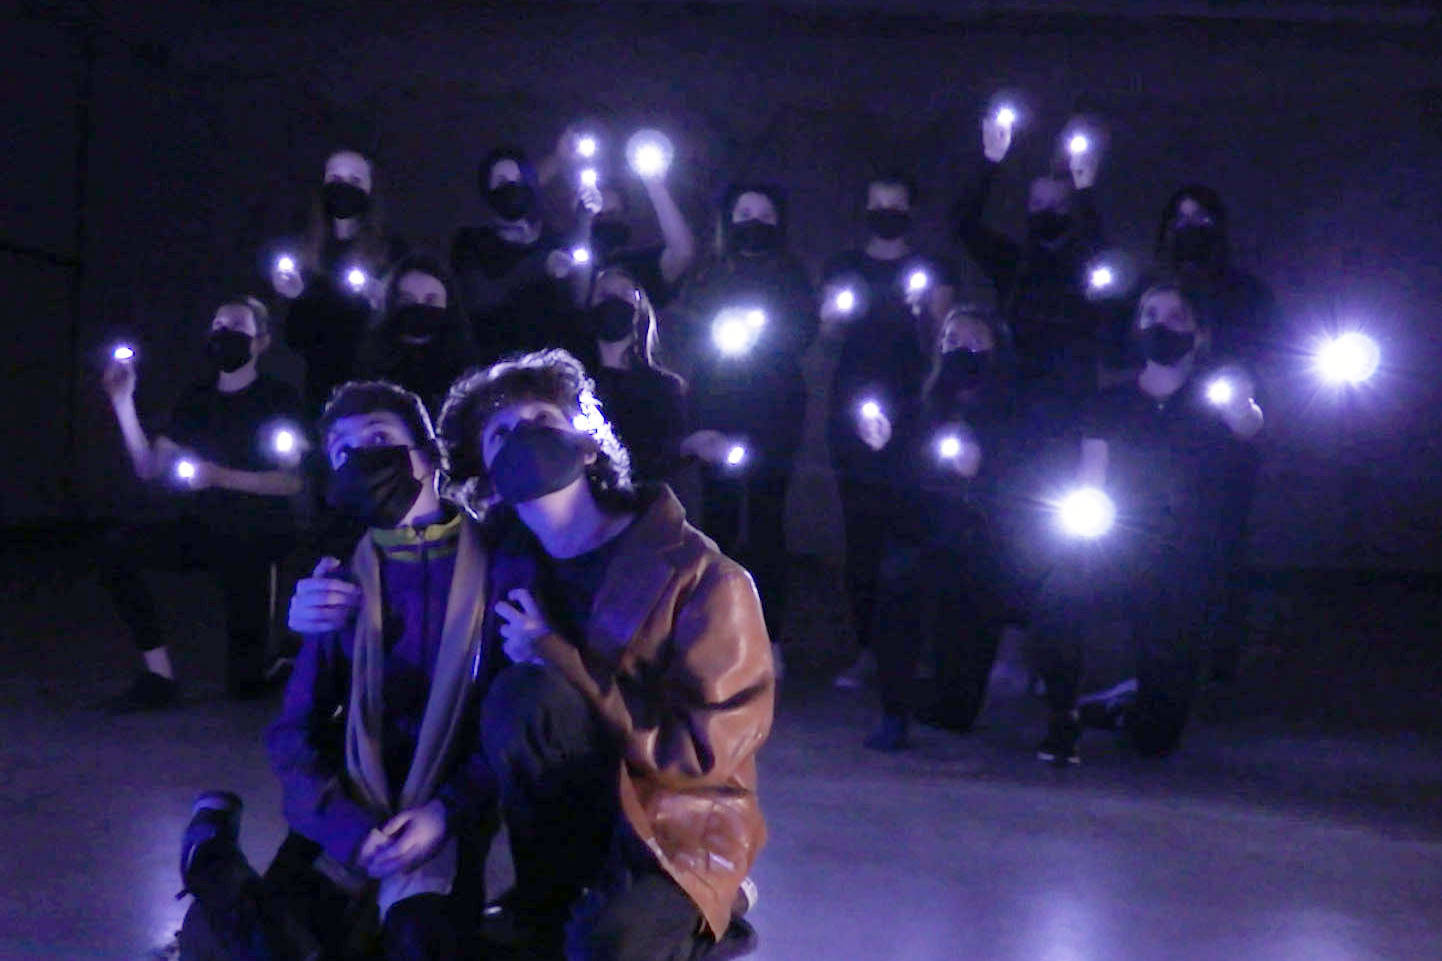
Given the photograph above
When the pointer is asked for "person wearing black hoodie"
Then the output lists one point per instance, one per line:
(422, 339)
(1040, 280)
(942, 584)
(517, 281)
(747, 321)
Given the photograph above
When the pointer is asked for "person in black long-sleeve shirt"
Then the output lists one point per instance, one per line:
(942, 584)
(1171, 456)
(517, 282)
(645, 402)
(748, 320)
(422, 338)
(883, 303)
(335, 277)
(1041, 280)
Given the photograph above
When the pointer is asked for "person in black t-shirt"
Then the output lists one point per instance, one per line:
(518, 283)
(1171, 448)
(645, 402)
(229, 456)
(334, 280)
(658, 268)
(882, 304)
(422, 338)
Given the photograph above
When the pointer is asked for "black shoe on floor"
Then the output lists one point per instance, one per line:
(215, 816)
(1061, 744)
(891, 735)
(148, 692)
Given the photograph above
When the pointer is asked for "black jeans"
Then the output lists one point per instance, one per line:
(295, 913)
(866, 512)
(584, 883)
(1164, 596)
(239, 563)
(746, 517)
(930, 593)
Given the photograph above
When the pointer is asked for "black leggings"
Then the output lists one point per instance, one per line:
(746, 517)
(240, 566)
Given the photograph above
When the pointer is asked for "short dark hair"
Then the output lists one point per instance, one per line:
(257, 308)
(551, 376)
(369, 396)
(898, 178)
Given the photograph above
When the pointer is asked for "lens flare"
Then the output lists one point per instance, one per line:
(580, 255)
(589, 177)
(917, 281)
(870, 409)
(1101, 278)
(123, 353)
(1087, 513)
(949, 447)
(1351, 359)
(185, 470)
(735, 332)
(284, 441)
(1006, 116)
(736, 456)
(1221, 391)
(285, 263)
(1079, 144)
(356, 278)
(846, 301)
(587, 146)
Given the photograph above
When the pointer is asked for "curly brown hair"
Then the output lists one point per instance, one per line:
(551, 376)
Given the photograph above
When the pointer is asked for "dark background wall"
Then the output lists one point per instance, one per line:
(210, 123)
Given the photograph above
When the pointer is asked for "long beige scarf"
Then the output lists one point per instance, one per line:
(456, 669)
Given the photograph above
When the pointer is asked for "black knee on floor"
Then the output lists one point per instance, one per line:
(525, 704)
(421, 928)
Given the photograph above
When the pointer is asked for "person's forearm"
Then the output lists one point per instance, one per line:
(137, 445)
(271, 483)
(680, 250)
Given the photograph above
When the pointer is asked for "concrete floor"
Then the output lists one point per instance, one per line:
(1268, 838)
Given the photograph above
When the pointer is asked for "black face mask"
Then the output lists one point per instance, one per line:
(888, 224)
(962, 370)
(1048, 226)
(511, 201)
(613, 319)
(1196, 244)
(344, 201)
(228, 350)
(1162, 345)
(537, 460)
(755, 237)
(608, 235)
(417, 320)
(375, 485)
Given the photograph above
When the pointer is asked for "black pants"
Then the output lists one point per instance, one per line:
(866, 512)
(928, 593)
(583, 880)
(746, 517)
(295, 913)
(239, 563)
(1164, 596)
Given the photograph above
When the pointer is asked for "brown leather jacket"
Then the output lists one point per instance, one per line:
(678, 664)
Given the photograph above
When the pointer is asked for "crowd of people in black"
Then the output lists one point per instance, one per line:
(510, 615)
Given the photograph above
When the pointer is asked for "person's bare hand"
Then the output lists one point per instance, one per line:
(995, 138)
(524, 624)
(119, 379)
(414, 836)
(288, 283)
(321, 603)
(874, 429)
(559, 264)
(1084, 168)
(590, 200)
(711, 446)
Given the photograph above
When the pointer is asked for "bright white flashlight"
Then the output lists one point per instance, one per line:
(1101, 278)
(580, 255)
(356, 278)
(123, 353)
(1079, 144)
(283, 441)
(918, 281)
(735, 332)
(285, 263)
(870, 410)
(586, 146)
(949, 447)
(589, 177)
(735, 456)
(846, 301)
(1087, 513)
(1349, 359)
(1220, 392)
(649, 152)
(1006, 116)
(185, 470)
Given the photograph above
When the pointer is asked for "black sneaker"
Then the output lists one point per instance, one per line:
(1062, 737)
(215, 816)
(891, 735)
(148, 692)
